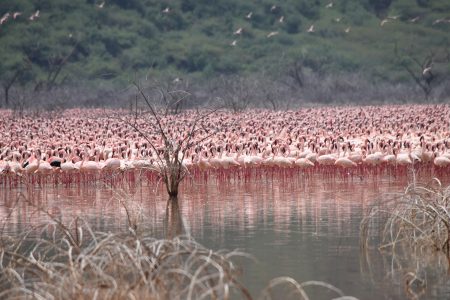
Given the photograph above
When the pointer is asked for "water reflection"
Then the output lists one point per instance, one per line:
(173, 222)
(304, 228)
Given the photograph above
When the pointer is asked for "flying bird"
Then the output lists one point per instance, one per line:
(329, 5)
(281, 20)
(249, 15)
(442, 20)
(414, 20)
(166, 10)
(311, 29)
(34, 16)
(238, 31)
(273, 8)
(271, 34)
(347, 30)
(16, 14)
(101, 5)
(426, 71)
(233, 43)
(4, 18)
(384, 22)
(337, 20)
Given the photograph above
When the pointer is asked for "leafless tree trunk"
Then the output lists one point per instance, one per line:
(171, 155)
(422, 71)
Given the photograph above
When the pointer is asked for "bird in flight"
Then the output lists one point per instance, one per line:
(234, 43)
(384, 22)
(281, 20)
(347, 30)
(238, 31)
(442, 20)
(35, 15)
(16, 14)
(249, 15)
(329, 5)
(271, 34)
(166, 10)
(426, 71)
(311, 29)
(414, 20)
(4, 18)
(101, 5)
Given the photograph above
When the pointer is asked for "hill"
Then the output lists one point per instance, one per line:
(54, 43)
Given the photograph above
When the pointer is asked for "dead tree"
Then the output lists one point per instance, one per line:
(296, 73)
(55, 64)
(422, 71)
(170, 155)
(236, 93)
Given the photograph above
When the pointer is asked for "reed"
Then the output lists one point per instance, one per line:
(418, 218)
(411, 231)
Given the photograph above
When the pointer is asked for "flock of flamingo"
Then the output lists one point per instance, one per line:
(349, 140)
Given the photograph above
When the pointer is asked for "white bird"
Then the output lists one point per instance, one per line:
(329, 5)
(311, 29)
(271, 34)
(384, 22)
(101, 5)
(166, 10)
(34, 16)
(337, 20)
(234, 43)
(273, 8)
(281, 20)
(347, 30)
(4, 18)
(249, 15)
(413, 20)
(16, 14)
(426, 70)
(238, 31)
(443, 20)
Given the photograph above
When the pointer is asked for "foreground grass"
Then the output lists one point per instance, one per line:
(114, 266)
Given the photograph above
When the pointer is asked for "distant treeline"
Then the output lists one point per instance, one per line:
(304, 50)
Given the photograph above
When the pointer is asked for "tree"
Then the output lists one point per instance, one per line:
(170, 140)
(427, 71)
(236, 92)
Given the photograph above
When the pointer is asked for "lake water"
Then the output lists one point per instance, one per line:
(305, 228)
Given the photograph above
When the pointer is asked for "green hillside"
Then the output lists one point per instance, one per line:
(87, 42)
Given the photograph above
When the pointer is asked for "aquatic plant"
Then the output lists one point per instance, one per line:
(412, 233)
(419, 218)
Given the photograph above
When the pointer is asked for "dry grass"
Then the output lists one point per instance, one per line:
(412, 231)
(76, 263)
(419, 218)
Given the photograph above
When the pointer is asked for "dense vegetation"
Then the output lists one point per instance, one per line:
(103, 44)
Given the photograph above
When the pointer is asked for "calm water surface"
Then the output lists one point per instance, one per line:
(307, 229)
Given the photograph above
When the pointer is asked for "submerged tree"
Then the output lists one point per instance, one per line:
(168, 139)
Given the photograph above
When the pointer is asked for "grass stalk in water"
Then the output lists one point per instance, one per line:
(419, 218)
